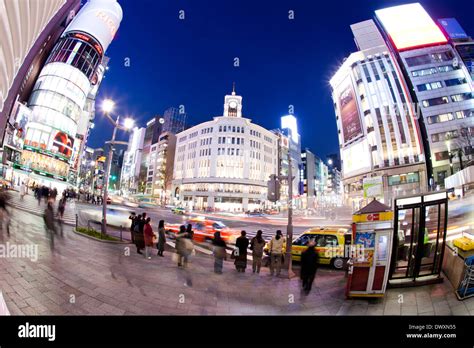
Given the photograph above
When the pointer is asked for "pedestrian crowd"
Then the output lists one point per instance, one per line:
(145, 240)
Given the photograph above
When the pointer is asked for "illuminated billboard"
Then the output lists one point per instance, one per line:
(18, 120)
(47, 141)
(356, 159)
(350, 120)
(410, 26)
(44, 165)
(289, 122)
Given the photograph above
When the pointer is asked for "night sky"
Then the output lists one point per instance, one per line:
(282, 62)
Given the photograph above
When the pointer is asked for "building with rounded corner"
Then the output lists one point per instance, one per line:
(224, 164)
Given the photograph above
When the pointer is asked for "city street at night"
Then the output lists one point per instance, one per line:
(106, 282)
(175, 171)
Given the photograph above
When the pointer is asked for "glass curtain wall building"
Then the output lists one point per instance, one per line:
(61, 90)
(439, 82)
(376, 120)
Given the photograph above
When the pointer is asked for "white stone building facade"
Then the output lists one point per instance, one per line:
(224, 164)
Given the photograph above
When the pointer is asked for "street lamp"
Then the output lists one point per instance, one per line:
(107, 107)
(128, 123)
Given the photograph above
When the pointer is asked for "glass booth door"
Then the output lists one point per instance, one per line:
(419, 239)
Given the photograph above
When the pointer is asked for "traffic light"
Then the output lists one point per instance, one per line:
(273, 188)
(113, 177)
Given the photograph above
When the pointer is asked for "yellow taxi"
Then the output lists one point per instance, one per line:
(331, 245)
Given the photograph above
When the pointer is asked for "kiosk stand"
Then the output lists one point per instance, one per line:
(369, 261)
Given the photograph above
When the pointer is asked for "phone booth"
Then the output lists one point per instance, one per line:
(369, 263)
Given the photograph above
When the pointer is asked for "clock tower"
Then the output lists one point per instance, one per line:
(233, 104)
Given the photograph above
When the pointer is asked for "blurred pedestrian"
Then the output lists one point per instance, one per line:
(161, 238)
(61, 207)
(22, 190)
(54, 194)
(276, 253)
(309, 265)
(257, 245)
(4, 213)
(184, 246)
(241, 245)
(38, 194)
(219, 251)
(189, 231)
(48, 217)
(137, 235)
(142, 222)
(148, 236)
(132, 217)
(45, 193)
(180, 244)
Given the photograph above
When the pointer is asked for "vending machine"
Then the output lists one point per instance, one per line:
(369, 262)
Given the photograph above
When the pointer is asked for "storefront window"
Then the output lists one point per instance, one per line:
(403, 179)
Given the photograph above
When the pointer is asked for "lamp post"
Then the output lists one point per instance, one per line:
(107, 107)
(289, 227)
(92, 172)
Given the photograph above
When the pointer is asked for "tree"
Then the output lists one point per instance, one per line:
(166, 178)
(461, 141)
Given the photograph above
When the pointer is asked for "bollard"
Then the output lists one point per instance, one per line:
(121, 228)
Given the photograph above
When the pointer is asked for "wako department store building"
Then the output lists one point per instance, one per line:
(224, 164)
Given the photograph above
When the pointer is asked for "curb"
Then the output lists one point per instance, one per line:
(99, 240)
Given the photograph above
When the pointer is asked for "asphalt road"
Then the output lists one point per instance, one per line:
(251, 227)
(460, 212)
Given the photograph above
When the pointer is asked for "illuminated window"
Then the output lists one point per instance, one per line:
(429, 86)
(435, 101)
(461, 97)
(403, 179)
(454, 82)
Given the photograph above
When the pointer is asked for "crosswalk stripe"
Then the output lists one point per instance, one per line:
(30, 205)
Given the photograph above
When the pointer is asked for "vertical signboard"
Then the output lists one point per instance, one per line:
(350, 119)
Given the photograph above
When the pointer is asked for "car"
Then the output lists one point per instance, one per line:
(271, 212)
(178, 211)
(147, 203)
(330, 245)
(204, 230)
(130, 203)
(116, 216)
(254, 213)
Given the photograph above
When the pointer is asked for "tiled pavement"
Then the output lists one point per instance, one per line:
(82, 276)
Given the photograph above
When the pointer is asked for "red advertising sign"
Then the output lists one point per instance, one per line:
(351, 125)
(373, 217)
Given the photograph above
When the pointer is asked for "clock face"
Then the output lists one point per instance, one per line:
(233, 104)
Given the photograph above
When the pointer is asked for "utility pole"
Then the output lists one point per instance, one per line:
(106, 178)
(289, 227)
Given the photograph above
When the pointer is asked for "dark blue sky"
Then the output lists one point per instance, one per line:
(282, 61)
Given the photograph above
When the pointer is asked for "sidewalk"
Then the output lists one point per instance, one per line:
(105, 278)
